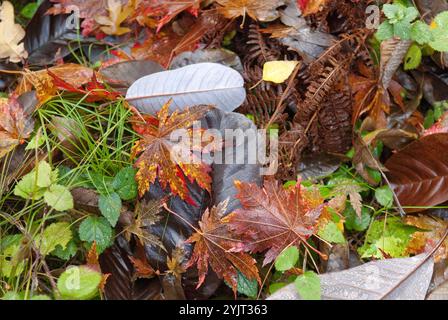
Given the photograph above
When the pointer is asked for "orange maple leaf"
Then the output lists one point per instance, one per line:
(273, 218)
(157, 157)
(214, 245)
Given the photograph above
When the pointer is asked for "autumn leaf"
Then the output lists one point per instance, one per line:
(311, 6)
(424, 241)
(258, 10)
(159, 159)
(175, 263)
(214, 245)
(15, 126)
(11, 34)
(118, 13)
(141, 265)
(146, 214)
(273, 218)
(74, 74)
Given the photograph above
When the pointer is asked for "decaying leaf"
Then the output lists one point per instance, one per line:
(157, 157)
(11, 34)
(15, 125)
(214, 244)
(273, 218)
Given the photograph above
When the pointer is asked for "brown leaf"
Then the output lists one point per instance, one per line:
(15, 126)
(311, 6)
(118, 13)
(157, 158)
(274, 218)
(265, 10)
(214, 245)
(11, 34)
(419, 172)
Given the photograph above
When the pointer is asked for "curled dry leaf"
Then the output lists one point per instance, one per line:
(273, 218)
(11, 34)
(157, 157)
(15, 125)
(214, 245)
(118, 13)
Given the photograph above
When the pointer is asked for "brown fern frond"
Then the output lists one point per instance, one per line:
(259, 50)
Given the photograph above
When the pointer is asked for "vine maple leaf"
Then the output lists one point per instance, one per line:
(158, 157)
(273, 218)
(11, 34)
(214, 245)
(146, 214)
(15, 126)
(265, 10)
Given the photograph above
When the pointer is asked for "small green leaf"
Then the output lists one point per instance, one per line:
(394, 12)
(355, 223)
(96, 229)
(58, 233)
(440, 32)
(79, 283)
(413, 57)
(402, 30)
(385, 31)
(125, 185)
(331, 233)
(27, 188)
(246, 286)
(421, 33)
(29, 10)
(36, 142)
(59, 198)
(276, 286)
(43, 175)
(287, 259)
(65, 253)
(384, 196)
(110, 207)
(308, 286)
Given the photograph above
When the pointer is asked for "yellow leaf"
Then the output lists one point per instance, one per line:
(111, 25)
(10, 35)
(278, 71)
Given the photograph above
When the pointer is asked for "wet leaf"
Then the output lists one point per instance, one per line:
(258, 10)
(11, 34)
(278, 71)
(79, 283)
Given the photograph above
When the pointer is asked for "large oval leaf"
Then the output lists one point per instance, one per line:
(419, 172)
(202, 83)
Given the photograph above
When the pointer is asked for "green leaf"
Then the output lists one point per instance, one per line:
(276, 286)
(65, 253)
(355, 223)
(12, 295)
(402, 30)
(287, 259)
(411, 13)
(58, 233)
(40, 297)
(43, 175)
(125, 185)
(331, 233)
(29, 10)
(385, 31)
(413, 57)
(101, 183)
(394, 12)
(246, 286)
(440, 32)
(110, 207)
(391, 236)
(96, 229)
(79, 283)
(10, 247)
(36, 142)
(59, 198)
(27, 188)
(308, 286)
(384, 196)
(421, 33)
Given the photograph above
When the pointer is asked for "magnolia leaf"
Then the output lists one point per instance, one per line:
(10, 35)
(79, 283)
(278, 71)
(202, 83)
(394, 279)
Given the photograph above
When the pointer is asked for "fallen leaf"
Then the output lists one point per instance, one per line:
(213, 244)
(278, 71)
(158, 159)
(118, 13)
(11, 34)
(311, 6)
(273, 218)
(265, 10)
(15, 126)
